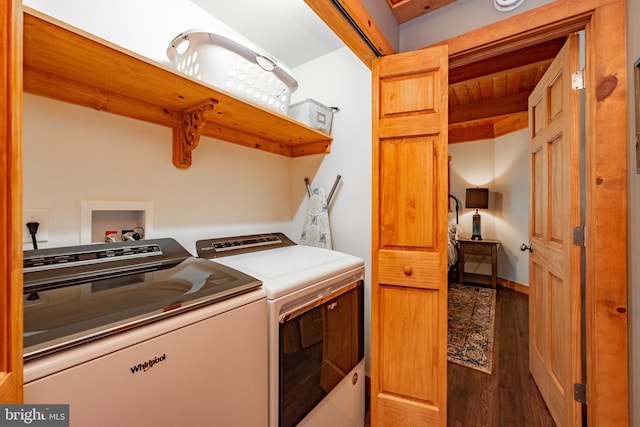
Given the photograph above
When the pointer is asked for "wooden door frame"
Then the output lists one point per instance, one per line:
(607, 362)
(11, 202)
(606, 177)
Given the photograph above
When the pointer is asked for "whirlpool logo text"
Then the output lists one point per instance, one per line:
(145, 366)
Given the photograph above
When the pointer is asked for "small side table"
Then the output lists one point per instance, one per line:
(486, 252)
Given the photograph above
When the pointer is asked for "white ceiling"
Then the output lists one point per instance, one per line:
(287, 29)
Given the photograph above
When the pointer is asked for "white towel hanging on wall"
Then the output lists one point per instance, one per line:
(316, 230)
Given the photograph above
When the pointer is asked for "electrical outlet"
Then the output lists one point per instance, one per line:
(41, 216)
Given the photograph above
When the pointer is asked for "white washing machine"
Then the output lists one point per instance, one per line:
(144, 334)
(315, 300)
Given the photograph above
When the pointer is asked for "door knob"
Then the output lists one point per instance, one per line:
(524, 247)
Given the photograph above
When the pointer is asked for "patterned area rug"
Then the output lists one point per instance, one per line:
(471, 314)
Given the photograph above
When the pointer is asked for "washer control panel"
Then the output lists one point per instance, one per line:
(213, 248)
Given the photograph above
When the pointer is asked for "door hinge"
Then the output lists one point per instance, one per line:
(580, 393)
(578, 236)
(577, 80)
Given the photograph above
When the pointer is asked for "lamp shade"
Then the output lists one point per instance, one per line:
(477, 198)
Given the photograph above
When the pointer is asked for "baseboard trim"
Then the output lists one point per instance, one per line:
(518, 287)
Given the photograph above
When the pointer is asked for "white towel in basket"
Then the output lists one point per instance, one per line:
(316, 231)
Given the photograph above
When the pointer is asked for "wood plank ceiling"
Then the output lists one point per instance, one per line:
(406, 10)
(487, 98)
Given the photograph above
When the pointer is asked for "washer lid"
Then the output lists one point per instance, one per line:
(287, 269)
(66, 315)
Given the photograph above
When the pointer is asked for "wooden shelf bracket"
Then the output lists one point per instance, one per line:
(187, 136)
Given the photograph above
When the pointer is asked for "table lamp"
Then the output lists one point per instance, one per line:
(477, 198)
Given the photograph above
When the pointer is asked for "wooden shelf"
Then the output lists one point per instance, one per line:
(68, 64)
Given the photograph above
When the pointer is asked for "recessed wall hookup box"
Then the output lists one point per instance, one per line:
(125, 218)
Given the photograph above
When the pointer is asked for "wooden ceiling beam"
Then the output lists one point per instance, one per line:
(543, 64)
(513, 123)
(489, 108)
(468, 134)
(488, 128)
(507, 61)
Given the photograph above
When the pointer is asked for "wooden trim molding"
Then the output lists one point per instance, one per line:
(539, 25)
(518, 287)
(11, 202)
(330, 14)
(365, 22)
(606, 220)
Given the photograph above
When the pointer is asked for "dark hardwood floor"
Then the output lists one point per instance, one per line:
(508, 397)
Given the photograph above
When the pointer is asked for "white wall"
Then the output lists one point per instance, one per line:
(473, 165)
(633, 55)
(73, 154)
(385, 20)
(340, 79)
(513, 175)
(502, 165)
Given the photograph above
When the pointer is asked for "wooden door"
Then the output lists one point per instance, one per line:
(554, 263)
(409, 220)
(10, 201)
